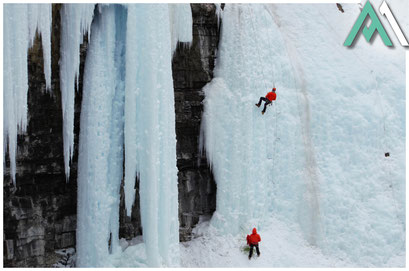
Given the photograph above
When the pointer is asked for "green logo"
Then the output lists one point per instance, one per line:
(368, 31)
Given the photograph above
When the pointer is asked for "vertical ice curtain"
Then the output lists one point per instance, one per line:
(128, 112)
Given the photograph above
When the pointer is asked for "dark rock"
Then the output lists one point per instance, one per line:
(69, 223)
(68, 239)
(9, 249)
(339, 6)
(192, 69)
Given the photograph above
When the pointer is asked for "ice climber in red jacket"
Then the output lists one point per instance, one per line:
(270, 97)
(252, 241)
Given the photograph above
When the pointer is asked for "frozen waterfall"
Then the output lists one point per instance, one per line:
(128, 101)
(127, 117)
(316, 159)
(311, 173)
(101, 140)
(150, 138)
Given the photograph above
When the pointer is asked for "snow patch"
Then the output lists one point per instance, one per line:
(280, 246)
(67, 258)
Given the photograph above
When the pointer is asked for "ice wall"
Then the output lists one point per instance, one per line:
(238, 140)
(75, 23)
(128, 101)
(100, 164)
(356, 99)
(150, 138)
(21, 21)
(316, 158)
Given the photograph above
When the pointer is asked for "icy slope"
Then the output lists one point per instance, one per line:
(316, 158)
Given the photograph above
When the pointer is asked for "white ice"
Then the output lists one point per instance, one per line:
(100, 164)
(310, 174)
(219, 13)
(75, 23)
(21, 21)
(128, 101)
(40, 18)
(150, 138)
(181, 24)
(315, 161)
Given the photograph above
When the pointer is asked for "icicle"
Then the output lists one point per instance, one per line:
(15, 77)
(20, 24)
(40, 18)
(150, 137)
(131, 88)
(100, 163)
(180, 16)
(219, 13)
(75, 22)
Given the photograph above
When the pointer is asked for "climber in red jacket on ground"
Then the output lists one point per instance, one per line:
(252, 241)
(271, 96)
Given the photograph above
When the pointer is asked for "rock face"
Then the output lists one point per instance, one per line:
(192, 69)
(40, 213)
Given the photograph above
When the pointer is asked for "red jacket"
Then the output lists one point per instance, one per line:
(254, 238)
(271, 96)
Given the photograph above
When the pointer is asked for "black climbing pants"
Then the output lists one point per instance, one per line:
(251, 250)
(267, 102)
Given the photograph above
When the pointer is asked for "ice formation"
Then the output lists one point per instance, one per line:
(237, 137)
(40, 18)
(75, 23)
(219, 12)
(180, 20)
(315, 160)
(247, 169)
(21, 21)
(101, 139)
(150, 138)
(311, 169)
(128, 101)
(129, 59)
